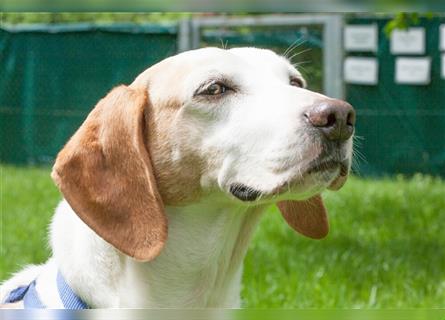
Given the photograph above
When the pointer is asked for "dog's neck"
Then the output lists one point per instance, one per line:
(200, 265)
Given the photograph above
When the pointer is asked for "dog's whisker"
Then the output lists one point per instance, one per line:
(295, 46)
(299, 63)
(299, 53)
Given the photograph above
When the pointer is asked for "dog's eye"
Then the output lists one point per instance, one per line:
(296, 82)
(214, 89)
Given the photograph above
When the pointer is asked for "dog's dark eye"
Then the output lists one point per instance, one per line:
(214, 89)
(296, 82)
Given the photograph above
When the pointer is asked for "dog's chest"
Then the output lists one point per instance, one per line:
(200, 266)
(201, 263)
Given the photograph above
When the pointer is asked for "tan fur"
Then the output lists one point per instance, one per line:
(178, 181)
(105, 173)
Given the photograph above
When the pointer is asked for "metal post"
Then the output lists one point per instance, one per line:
(184, 35)
(196, 34)
(333, 57)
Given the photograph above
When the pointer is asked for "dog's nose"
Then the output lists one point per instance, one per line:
(335, 118)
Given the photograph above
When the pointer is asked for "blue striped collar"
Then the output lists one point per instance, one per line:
(31, 298)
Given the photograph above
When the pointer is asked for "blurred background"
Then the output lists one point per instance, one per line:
(386, 244)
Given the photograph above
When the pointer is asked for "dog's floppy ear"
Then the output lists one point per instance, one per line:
(105, 174)
(308, 217)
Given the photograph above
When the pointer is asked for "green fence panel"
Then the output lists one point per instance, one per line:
(402, 126)
(52, 76)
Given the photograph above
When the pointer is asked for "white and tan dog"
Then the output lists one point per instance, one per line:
(167, 178)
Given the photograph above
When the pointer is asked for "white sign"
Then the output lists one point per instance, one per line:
(361, 38)
(443, 66)
(413, 71)
(410, 41)
(442, 37)
(361, 70)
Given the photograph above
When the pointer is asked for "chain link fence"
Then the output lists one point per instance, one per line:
(52, 75)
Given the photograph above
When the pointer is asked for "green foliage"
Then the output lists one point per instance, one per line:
(404, 20)
(93, 17)
(385, 248)
(401, 21)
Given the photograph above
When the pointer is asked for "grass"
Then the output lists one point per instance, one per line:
(386, 248)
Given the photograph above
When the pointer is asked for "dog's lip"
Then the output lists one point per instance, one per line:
(317, 166)
(340, 180)
(324, 166)
(244, 193)
(329, 165)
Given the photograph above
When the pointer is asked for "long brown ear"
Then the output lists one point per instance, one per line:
(308, 217)
(105, 174)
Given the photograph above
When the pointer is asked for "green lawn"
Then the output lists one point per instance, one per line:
(386, 248)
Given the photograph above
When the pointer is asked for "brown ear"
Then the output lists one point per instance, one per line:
(105, 174)
(308, 217)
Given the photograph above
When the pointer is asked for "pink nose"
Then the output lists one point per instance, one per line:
(335, 118)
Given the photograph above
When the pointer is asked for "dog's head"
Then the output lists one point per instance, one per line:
(230, 126)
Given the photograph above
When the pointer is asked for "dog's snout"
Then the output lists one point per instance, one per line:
(335, 118)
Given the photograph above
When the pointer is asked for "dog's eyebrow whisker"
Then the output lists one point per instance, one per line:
(223, 43)
(290, 47)
(293, 46)
(284, 54)
(299, 63)
(298, 53)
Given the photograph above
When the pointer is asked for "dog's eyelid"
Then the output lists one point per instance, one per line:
(224, 82)
(297, 81)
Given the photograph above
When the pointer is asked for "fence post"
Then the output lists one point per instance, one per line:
(195, 33)
(184, 36)
(333, 56)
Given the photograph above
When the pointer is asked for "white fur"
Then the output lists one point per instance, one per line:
(256, 137)
(199, 267)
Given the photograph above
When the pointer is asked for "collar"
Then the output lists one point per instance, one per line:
(31, 298)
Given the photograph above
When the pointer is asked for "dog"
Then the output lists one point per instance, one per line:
(166, 179)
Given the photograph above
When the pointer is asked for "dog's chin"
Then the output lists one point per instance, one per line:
(336, 181)
(330, 175)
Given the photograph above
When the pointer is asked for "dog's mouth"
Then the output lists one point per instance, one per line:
(332, 165)
(324, 166)
(249, 194)
(244, 193)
